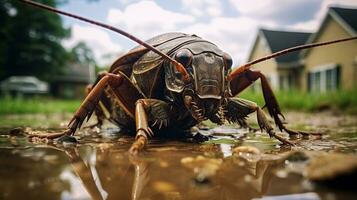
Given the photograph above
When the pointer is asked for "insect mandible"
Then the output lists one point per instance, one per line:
(171, 83)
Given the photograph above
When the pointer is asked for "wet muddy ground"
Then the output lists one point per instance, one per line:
(233, 164)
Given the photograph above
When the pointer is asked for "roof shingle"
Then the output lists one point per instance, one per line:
(349, 15)
(279, 40)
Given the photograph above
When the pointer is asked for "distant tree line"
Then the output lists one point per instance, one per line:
(31, 41)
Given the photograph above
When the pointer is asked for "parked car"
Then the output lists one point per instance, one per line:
(23, 85)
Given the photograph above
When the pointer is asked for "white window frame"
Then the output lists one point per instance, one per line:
(322, 69)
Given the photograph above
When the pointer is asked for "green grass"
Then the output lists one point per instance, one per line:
(37, 105)
(345, 101)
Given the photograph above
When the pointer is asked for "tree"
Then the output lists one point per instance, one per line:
(81, 53)
(4, 24)
(32, 40)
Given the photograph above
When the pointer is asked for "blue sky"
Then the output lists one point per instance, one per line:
(231, 24)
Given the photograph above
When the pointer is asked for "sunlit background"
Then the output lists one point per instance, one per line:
(47, 54)
(47, 61)
(231, 24)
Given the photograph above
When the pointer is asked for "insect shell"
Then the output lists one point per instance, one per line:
(192, 101)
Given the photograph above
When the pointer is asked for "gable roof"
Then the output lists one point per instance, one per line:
(346, 17)
(278, 40)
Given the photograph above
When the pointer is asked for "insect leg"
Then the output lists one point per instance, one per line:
(91, 101)
(158, 111)
(143, 131)
(239, 109)
(84, 173)
(104, 106)
(123, 90)
(245, 79)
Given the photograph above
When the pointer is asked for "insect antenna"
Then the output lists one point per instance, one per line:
(178, 65)
(248, 65)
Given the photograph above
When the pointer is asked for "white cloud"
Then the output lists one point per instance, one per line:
(303, 15)
(232, 35)
(268, 8)
(308, 26)
(235, 35)
(199, 8)
(97, 40)
(284, 12)
(268, 13)
(126, 2)
(252, 7)
(314, 23)
(146, 19)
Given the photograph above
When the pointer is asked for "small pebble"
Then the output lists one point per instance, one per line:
(334, 170)
(18, 131)
(297, 156)
(67, 139)
(164, 186)
(204, 168)
(163, 164)
(248, 153)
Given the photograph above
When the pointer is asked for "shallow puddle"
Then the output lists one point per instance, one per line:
(99, 167)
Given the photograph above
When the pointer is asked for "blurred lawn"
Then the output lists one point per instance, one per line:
(37, 105)
(338, 101)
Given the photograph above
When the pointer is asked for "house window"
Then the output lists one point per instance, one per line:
(324, 79)
(286, 82)
(330, 83)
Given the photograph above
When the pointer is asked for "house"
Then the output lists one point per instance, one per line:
(283, 72)
(73, 82)
(332, 67)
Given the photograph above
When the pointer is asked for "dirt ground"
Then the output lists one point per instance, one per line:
(252, 166)
(320, 120)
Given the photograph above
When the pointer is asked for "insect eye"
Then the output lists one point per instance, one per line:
(184, 56)
(227, 61)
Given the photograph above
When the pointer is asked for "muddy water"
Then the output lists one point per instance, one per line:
(99, 167)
